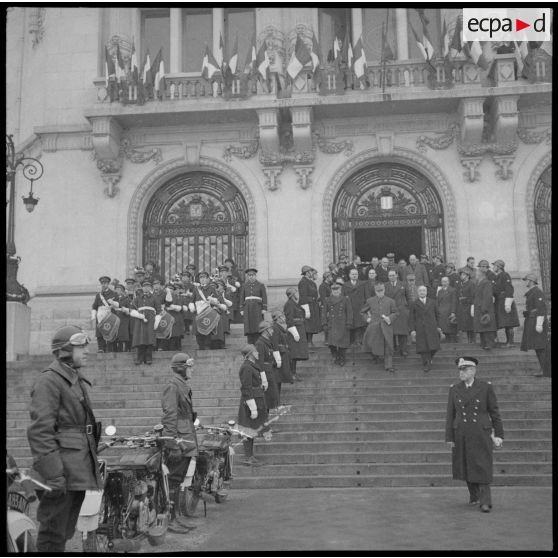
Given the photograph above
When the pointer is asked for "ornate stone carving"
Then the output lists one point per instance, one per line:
(37, 25)
(304, 172)
(157, 177)
(528, 135)
(504, 163)
(403, 156)
(140, 156)
(329, 146)
(471, 113)
(471, 164)
(272, 181)
(275, 42)
(504, 118)
(111, 180)
(480, 149)
(242, 151)
(440, 141)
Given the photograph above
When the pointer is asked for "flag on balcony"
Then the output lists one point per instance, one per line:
(159, 70)
(445, 39)
(336, 50)
(134, 74)
(474, 51)
(315, 53)
(456, 43)
(210, 68)
(262, 62)
(424, 43)
(219, 57)
(233, 60)
(110, 70)
(250, 64)
(146, 68)
(359, 66)
(300, 57)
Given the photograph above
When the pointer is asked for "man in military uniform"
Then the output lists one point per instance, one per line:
(535, 327)
(308, 292)
(178, 422)
(483, 307)
(419, 271)
(131, 287)
(473, 426)
(337, 317)
(395, 289)
(63, 437)
(436, 273)
(504, 305)
(253, 303)
(102, 299)
(144, 309)
(452, 275)
(205, 293)
(469, 268)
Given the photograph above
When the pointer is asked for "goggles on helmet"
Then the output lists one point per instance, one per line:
(79, 339)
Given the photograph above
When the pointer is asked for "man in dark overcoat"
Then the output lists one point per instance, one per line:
(436, 274)
(253, 302)
(473, 426)
(354, 290)
(465, 293)
(176, 309)
(63, 436)
(144, 308)
(504, 305)
(264, 362)
(395, 289)
(419, 271)
(337, 317)
(380, 313)
(535, 327)
(423, 323)
(252, 411)
(121, 305)
(178, 422)
(482, 310)
(296, 332)
(370, 284)
(446, 299)
(309, 300)
(282, 358)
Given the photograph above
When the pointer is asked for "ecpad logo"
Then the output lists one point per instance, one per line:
(506, 24)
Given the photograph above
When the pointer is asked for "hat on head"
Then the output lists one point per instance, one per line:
(186, 274)
(120, 286)
(483, 263)
(276, 314)
(191, 266)
(223, 268)
(290, 291)
(251, 270)
(247, 350)
(263, 325)
(221, 283)
(305, 269)
(466, 361)
(499, 263)
(531, 277)
(203, 274)
(181, 359)
(423, 256)
(139, 270)
(129, 280)
(156, 281)
(335, 286)
(340, 281)
(390, 255)
(104, 278)
(449, 264)
(147, 282)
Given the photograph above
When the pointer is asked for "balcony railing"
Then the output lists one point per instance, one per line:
(386, 78)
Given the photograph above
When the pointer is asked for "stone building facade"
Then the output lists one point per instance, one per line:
(423, 160)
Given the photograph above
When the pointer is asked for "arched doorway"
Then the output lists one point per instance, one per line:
(197, 218)
(387, 207)
(543, 225)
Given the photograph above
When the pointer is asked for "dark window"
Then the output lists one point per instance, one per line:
(334, 23)
(241, 23)
(197, 31)
(155, 34)
(374, 22)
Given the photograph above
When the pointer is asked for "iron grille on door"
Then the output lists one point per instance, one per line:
(198, 218)
(543, 224)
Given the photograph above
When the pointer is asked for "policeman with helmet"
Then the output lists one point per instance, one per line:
(63, 437)
(178, 422)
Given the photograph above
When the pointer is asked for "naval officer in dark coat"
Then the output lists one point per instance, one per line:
(253, 303)
(473, 427)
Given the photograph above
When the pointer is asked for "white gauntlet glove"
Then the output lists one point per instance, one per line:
(413, 336)
(192, 307)
(265, 385)
(294, 332)
(175, 307)
(508, 305)
(306, 310)
(539, 326)
(386, 319)
(472, 311)
(277, 357)
(114, 304)
(251, 403)
(168, 296)
(93, 315)
(232, 288)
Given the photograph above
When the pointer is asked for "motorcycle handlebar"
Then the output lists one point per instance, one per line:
(26, 481)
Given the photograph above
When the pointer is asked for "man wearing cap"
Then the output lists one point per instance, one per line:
(395, 290)
(354, 290)
(337, 318)
(469, 268)
(253, 302)
(232, 293)
(281, 356)
(267, 354)
(452, 275)
(465, 293)
(131, 287)
(446, 299)
(473, 427)
(380, 312)
(423, 323)
(62, 418)
(308, 293)
(252, 411)
(426, 262)
(391, 260)
(144, 308)
(187, 296)
(178, 422)
(205, 294)
(151, 271)
(223, 305)
(535, 327)
(482, 309)
(121, 305)
(102, 301)
(418, 270)
(504, 305)
(163, 297)
(175, 308)
(436, 273)
(296, 332)
(139, 274)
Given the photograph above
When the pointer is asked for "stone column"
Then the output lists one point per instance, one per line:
(401, 34)
(18, 329)
(218, 30)
(356, 23)
(175, 40)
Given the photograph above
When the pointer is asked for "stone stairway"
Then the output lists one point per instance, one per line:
(349, 427)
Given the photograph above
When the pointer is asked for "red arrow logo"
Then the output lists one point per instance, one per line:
(519, 25)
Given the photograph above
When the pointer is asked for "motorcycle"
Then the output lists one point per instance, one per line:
(135, 503)
(20, 525)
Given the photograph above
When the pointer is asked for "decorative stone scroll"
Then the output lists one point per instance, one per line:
(528, 135)
(441, 140)
(242, 151)
(140, 156)
(331, 147)
(471, 164)
(272, 181)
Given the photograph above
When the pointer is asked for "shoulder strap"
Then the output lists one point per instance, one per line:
(103, 299)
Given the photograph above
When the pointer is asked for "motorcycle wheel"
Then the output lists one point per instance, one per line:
(190, 497)
(97, 542)
(101, 540)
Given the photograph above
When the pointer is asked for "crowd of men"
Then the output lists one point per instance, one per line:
(378, 306)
